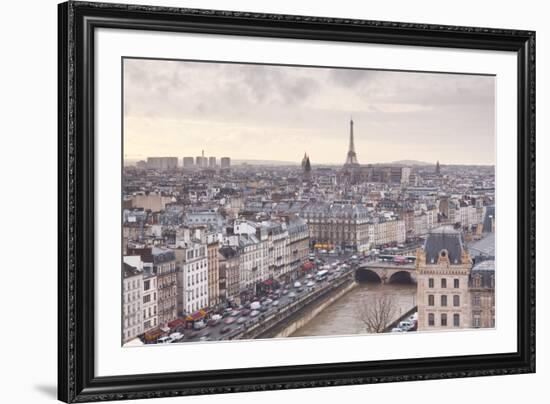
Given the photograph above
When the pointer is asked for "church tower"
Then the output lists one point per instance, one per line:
(306, 168)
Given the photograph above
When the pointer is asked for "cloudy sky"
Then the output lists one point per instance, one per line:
(264, 112)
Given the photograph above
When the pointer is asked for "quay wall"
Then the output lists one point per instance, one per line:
(310, 313)
(297, 314)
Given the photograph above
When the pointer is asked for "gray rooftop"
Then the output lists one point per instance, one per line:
(444, 238)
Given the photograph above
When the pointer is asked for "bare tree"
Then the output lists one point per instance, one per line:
(377, 313)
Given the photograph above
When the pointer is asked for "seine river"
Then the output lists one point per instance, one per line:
(341, 317)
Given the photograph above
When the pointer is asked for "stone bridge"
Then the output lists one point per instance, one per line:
(386, 272)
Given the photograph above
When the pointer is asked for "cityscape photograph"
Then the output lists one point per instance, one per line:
(271, 201)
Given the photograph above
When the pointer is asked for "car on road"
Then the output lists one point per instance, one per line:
(255, 305)
(199, 325)
(164, 340)
(254, 313)
(396, 329)
(284, 292)
(241, 320)
(310, 284)
(292, 295)
(245, 312)
(268, 301)
(297, 284)
(225, 330)
(176, 336)
(275, 303)
(229, 320)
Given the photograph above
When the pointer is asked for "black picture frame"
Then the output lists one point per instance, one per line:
(77, 22)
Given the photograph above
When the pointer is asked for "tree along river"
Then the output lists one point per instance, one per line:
(342, 317)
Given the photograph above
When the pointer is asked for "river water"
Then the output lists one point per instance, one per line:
(342, 317)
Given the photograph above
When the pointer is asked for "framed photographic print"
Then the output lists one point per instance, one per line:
(256, 201)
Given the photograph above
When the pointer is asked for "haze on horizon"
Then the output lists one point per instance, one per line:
(268, 112)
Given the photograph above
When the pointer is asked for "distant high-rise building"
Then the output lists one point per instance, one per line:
(225, 162)
(188, 162)
(212, 162)
(162, 163)
(437, 168)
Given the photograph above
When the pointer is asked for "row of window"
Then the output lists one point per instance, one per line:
(196, 306)
(147, 298)
(443, 300)
(443, 320)
(132, 285)
(130, 297)
(151, 313)
(191, 280)
(456, 283)
(199, 292)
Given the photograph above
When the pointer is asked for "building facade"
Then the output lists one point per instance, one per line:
(192, 276)
(482, 294)
(229, 267)
(132, 325)
(164, 266)
(443, 271)
(339, 225)
(212, 250)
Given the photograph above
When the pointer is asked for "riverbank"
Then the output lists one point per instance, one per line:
(309, 313)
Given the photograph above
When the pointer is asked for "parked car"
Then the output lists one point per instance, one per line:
(396, 329)
(164, 340)
(405, 325)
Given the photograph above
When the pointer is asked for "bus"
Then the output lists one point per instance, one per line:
(321, 275)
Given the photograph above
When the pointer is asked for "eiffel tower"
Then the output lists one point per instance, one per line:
(351, 159)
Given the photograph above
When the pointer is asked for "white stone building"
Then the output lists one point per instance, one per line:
(132, 325)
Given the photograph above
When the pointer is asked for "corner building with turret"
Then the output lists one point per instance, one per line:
(443, 267)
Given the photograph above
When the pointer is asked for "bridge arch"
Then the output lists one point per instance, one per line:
(367, 275)
(401, 277)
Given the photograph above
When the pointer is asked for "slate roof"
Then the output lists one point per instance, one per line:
(128, 270)
(485, 270)
(444, 238)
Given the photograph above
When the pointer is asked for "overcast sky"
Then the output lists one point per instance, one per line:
(178, 108)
